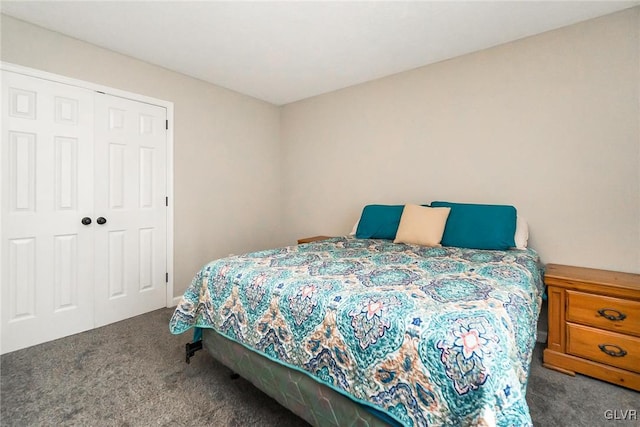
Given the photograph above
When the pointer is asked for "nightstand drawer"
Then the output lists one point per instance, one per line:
(610, 348)
(613, 314)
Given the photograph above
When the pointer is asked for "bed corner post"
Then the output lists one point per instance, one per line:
(195, 345)
(191, 348)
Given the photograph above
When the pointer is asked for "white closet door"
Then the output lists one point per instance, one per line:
(130, 190)
(47, 188)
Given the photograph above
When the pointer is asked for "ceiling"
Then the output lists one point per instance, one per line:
(282, 52)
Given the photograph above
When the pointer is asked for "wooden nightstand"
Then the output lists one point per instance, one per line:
(594, 323)
(313, 239)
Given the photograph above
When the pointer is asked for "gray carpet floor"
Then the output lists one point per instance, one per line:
(132, 373)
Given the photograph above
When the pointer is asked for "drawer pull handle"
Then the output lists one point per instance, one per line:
(605, 349)
(618, 316)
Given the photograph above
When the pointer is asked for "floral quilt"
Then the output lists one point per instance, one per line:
(429, 336)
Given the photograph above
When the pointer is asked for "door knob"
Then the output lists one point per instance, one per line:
(101, 220)
(86, 220)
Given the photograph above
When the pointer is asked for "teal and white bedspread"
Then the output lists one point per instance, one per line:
(430, 336)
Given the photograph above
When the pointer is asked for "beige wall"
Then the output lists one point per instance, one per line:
(227, 157)
(549, 124)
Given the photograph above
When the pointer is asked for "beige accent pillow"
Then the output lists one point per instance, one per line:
(420, 225)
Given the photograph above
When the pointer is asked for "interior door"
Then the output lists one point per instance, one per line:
(47, 188)
(130, 191)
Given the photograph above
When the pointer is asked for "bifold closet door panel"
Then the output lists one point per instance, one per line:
(47, 188)
(130, 191)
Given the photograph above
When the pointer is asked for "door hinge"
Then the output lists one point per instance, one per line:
(167, 124)
(166, 277)
(166, 201)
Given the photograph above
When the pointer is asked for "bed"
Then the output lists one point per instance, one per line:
(365, 331)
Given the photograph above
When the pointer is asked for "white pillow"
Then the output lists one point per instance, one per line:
(355, 228)
(522, 233)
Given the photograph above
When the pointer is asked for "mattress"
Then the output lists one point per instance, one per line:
(425, 336)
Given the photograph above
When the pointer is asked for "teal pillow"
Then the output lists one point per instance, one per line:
(379, 222)
(479, 226)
